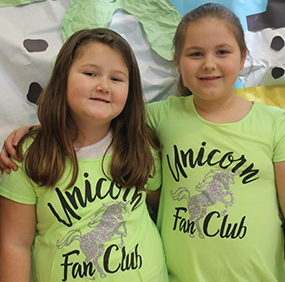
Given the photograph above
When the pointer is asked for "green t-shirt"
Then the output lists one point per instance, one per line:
(95, 230)
(218, 214)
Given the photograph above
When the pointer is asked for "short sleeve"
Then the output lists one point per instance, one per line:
(279, 138)
(18, 187)
(154, 113)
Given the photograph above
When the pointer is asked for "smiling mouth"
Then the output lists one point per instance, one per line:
(100, 100)
(210, 78)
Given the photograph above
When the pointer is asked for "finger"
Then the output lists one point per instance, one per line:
(5, 168)
(16, 137)
(6, 162)
(19, 133)
(7, 151)
(8, 165)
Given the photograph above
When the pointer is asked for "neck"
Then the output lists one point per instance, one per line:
(227, 110)
(89, 136)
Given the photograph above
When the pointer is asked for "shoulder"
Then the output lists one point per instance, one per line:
(266, 112)
(268, 108)
(25, 144)
(271, 118)
(156, 112)
(171, 103)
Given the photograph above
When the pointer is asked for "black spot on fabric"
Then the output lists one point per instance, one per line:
(35, 45)
(277, 43)
(273, 17)
(277, 72)
(34, 92)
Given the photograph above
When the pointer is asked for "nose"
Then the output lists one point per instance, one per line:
(209, 64)
(102, 85)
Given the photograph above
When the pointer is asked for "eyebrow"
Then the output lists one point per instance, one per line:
(115, 70)
(223, 45)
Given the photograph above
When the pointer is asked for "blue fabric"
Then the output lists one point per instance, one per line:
(241, 8)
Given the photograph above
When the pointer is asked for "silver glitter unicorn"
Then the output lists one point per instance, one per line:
(106, 223)
(214, 187)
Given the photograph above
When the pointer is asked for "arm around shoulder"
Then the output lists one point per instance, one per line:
(9, 149)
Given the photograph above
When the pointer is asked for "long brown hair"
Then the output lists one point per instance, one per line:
(209, 10)
(45, 159)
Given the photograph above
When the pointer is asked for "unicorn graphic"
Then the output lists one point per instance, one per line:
(106, 223)
(214, 188)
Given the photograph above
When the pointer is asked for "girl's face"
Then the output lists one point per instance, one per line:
(97, 86)
(210, 60)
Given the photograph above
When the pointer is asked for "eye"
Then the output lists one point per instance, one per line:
(222, 52)
(116, 79)
(90, 73)
(196, 54)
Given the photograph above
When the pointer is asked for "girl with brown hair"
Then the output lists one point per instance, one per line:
(75, 209)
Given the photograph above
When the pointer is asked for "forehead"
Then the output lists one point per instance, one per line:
(100, 57)
(97, 50)
(208, 33)
(208, 27)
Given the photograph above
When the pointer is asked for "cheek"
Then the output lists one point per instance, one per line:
(188, 73)
(189, 68)
(76, 95)
(71, 101)
(77, 83)
(233, 66)
(123, 95)
(75, 87)
(229, 71)
(77, 91)
(123, 102)
(72, 98)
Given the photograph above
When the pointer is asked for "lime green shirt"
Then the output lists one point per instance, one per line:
(95, 230)
(218, 214)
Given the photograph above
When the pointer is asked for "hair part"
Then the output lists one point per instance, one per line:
(45, 159)
(208, 10)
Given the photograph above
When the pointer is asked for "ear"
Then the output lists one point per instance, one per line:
(243, 57)
(175, 57)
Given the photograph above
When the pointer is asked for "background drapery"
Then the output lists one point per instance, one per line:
(32, 33)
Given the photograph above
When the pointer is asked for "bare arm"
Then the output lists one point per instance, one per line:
(17, 230)
(9, 149)
(280, 183)
(152, 198)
